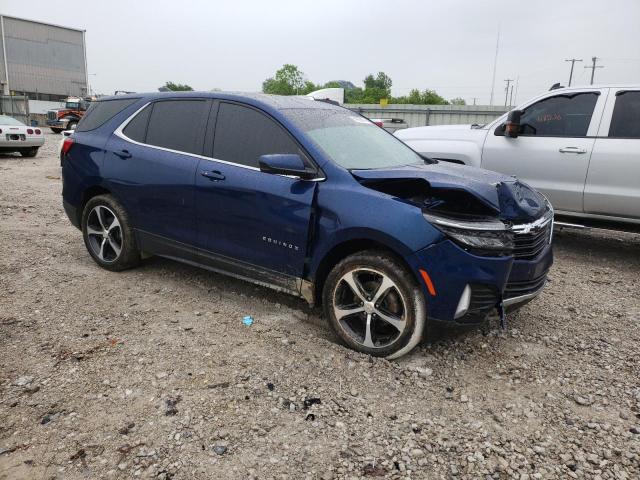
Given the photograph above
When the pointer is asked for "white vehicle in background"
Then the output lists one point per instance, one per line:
(15, 136)
(579, 146)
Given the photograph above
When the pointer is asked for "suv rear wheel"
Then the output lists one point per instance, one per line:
(374, 304)
(108, 235)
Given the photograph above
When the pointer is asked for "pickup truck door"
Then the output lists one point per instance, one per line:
(552, 151)
(259, 221)
(613, 181)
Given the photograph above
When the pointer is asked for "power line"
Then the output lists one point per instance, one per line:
(593, 67)
(573, 61)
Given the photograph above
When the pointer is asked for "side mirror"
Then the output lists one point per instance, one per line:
(512, 127)
(285, 164)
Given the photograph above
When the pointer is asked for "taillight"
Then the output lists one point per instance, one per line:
(380, 124)
(66, 145)
(30, 131)
(38, 132)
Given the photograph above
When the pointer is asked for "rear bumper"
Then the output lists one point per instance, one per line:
(72, 213)
(492, 280)
(19, 144)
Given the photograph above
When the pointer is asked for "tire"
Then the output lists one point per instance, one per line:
(395, 316)
(29, 152)
(71, 125)
(108, 235)
(56, 129)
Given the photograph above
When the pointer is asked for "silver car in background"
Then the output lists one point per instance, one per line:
(15, 136)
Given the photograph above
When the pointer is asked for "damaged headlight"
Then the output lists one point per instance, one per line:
(488, 237)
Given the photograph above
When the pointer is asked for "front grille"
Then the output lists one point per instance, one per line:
(52, 116)
(529, 245)
(518, 289)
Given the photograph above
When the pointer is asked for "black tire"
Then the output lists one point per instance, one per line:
(71, 125)
(29, 152)
(406, 298)
(56, 130)
(106, 210)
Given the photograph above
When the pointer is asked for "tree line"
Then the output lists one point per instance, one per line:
(289, 80)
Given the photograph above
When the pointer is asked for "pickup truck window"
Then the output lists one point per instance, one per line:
(559, 116)
(244, 134)
(625, 122)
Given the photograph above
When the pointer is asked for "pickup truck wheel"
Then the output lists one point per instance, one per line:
(374, 304)
(72, 125)
(108, 235)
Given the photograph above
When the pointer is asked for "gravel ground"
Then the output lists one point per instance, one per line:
(151, 373)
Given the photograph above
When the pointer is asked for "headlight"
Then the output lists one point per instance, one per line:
(491, 236)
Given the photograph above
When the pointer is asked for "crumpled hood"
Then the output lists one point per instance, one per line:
(511, 199)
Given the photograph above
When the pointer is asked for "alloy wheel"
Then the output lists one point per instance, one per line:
(369, 307)
(104, 233)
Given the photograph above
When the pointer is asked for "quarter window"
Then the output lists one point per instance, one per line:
(559, 116)
(177, 125)
(136, 129)
(244, 134)
(625, 122)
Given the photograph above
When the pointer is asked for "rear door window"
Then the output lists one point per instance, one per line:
(101, 112)
(559, 116)
(625, 122)
(178, 125)
(244, 134)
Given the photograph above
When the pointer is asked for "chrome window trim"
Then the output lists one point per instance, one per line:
(119, 132)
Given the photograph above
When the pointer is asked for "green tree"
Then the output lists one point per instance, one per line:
(416, 97)
(288, 80)
(177, 87)
(375, 88)
(458, 101)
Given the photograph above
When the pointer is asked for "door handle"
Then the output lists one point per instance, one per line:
(124, 154)
(213, 175)
(573, 150)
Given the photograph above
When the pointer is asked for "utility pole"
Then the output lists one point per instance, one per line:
(511, 97)
(474, 100)
(495, 65)
(573, 61)
(506, 90)
(593, 67)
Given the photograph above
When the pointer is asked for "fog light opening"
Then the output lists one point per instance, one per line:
(463, 304)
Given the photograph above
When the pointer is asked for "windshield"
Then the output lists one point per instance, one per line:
(72, 105)
(4, 120)
(352, 141)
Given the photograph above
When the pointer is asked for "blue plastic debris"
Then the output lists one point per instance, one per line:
(248, 320)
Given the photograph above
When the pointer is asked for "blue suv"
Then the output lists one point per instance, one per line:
(307, 198)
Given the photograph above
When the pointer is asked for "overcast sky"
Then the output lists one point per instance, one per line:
(446, 45)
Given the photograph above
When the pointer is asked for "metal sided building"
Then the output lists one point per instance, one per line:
(42, 61)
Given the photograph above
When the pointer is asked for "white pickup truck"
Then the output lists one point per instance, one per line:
(579, 146)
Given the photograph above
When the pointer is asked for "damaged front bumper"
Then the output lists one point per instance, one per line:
(467, 288)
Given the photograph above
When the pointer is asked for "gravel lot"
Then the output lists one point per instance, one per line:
(151, 373)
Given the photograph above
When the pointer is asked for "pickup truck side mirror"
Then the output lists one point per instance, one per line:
(286, 164)
(512, 126)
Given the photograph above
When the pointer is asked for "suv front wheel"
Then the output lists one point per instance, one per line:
(108, 235)
(374, 304)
